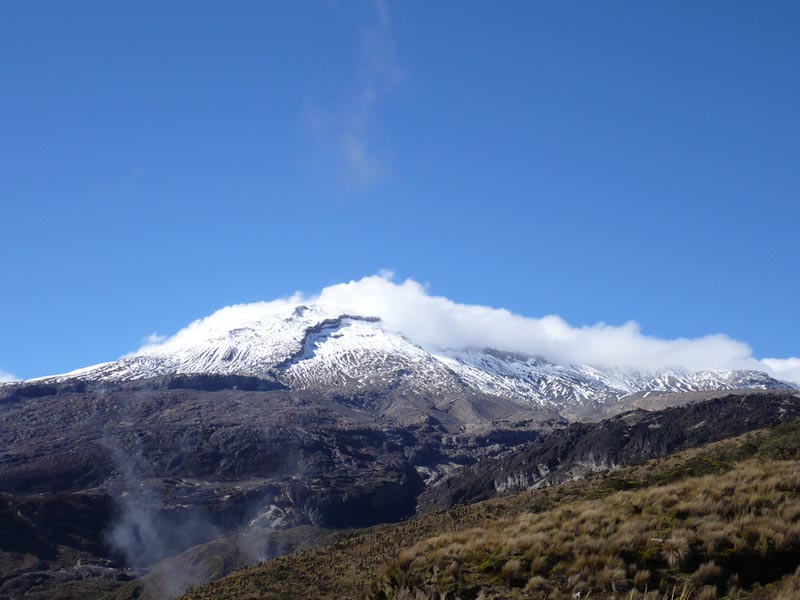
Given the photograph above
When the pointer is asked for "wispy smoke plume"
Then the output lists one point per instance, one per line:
(147, 531)
(6, 377)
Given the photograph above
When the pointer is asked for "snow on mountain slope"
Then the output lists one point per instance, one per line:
(323, 348)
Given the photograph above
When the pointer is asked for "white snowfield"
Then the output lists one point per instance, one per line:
(322, 348)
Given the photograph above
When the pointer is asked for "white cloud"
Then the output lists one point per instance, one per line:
(347, 131)
(6, 377)
(154, 339)
(435, 321)
(787, 369)
(438, 321)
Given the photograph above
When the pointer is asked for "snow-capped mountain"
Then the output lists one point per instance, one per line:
(323, 348)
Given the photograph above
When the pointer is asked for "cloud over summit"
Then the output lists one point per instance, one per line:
(438, 322)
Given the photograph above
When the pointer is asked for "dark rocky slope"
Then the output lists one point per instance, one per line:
(134, 473)
(100, 482)
(628, 439)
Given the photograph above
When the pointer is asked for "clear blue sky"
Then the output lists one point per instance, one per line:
(603, 161)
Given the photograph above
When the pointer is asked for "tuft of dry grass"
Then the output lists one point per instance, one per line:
(749, 532)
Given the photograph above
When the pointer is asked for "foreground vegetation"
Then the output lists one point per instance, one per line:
(716, 534)
(719, 521)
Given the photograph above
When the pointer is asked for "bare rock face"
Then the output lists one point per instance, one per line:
(634, 437)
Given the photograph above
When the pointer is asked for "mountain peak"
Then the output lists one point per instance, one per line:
(328, 349)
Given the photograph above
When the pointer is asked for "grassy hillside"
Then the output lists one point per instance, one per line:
(723, 520)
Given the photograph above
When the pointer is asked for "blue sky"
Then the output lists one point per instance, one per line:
(606, 162)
